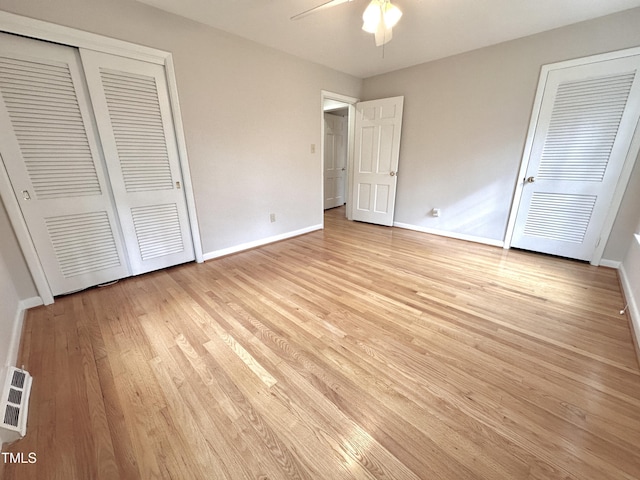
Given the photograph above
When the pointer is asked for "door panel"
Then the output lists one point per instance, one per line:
(335, 160)
(51, 154)
(377, 150)
(586, 121)
(134, 119)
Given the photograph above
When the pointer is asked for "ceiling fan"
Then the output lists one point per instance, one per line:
(378, 18)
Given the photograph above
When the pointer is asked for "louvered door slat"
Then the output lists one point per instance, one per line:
(158, 230)
(586, 120)
(579, 106)
(137, 132)
(52, 157)
(17, 88)
(560, 217)
(131, 98)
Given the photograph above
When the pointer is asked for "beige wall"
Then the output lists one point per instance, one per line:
(465, 124)
(630, 279)
(11, 279)
(8, 308)
(14, 261)
(627, 218)
(15, 285)
(250, 114)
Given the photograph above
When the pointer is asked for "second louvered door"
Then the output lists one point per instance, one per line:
(133, 114)
(50, 150)
(582, 136)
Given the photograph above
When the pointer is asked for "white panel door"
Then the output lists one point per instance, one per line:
(585, 126)
(133, 114)
(377, 149)
(50, 151)
(335, 160)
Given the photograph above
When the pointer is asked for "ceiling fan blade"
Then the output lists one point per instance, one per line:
(383, 35)
(329, 4)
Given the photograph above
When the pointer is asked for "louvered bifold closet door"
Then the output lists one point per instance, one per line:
(134, 119)
(582, 137)
(50, 151)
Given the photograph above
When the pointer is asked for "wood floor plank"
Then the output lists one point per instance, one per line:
(355, 352)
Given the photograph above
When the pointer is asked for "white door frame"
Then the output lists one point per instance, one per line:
(625, 174)
(351, 102)
(339, 150)
(28, 27)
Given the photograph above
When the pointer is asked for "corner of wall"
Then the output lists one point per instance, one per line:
(610, 263)
(16, 331)
(630, 279)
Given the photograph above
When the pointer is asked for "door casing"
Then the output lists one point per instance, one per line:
(336, 154)
(351, 102)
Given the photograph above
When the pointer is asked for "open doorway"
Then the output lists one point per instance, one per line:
(335, 155)
(373, 146)
(337, 131)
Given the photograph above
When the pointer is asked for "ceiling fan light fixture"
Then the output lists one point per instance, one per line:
(372, 17)
(391, 14)
(379, 18)
(383, 35)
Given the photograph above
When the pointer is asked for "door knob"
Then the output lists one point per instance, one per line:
(25, 195)
(393, 174)
(530, 179)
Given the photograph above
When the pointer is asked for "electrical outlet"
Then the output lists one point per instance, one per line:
(272, 217)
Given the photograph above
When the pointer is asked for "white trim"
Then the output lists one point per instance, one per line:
(184, 162)
(327, 95)
(610, 263)
(24, 238)
(524, 163)
(445, 233)
(600, 57)
(351, 135)
(351, 102)
(625, 174)
(16, 330)
(258, 243)
(41, 30)
(31, 302)
(30, 27)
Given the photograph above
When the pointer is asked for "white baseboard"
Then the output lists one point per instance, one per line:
(610, 263)
(445, 233)
(259, 243)
(16, 333)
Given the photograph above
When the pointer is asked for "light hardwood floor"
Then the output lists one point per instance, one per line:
(357, 352)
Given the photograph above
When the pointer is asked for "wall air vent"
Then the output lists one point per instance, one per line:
(14, 404)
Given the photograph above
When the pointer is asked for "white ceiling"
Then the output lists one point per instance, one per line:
(428, 30)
